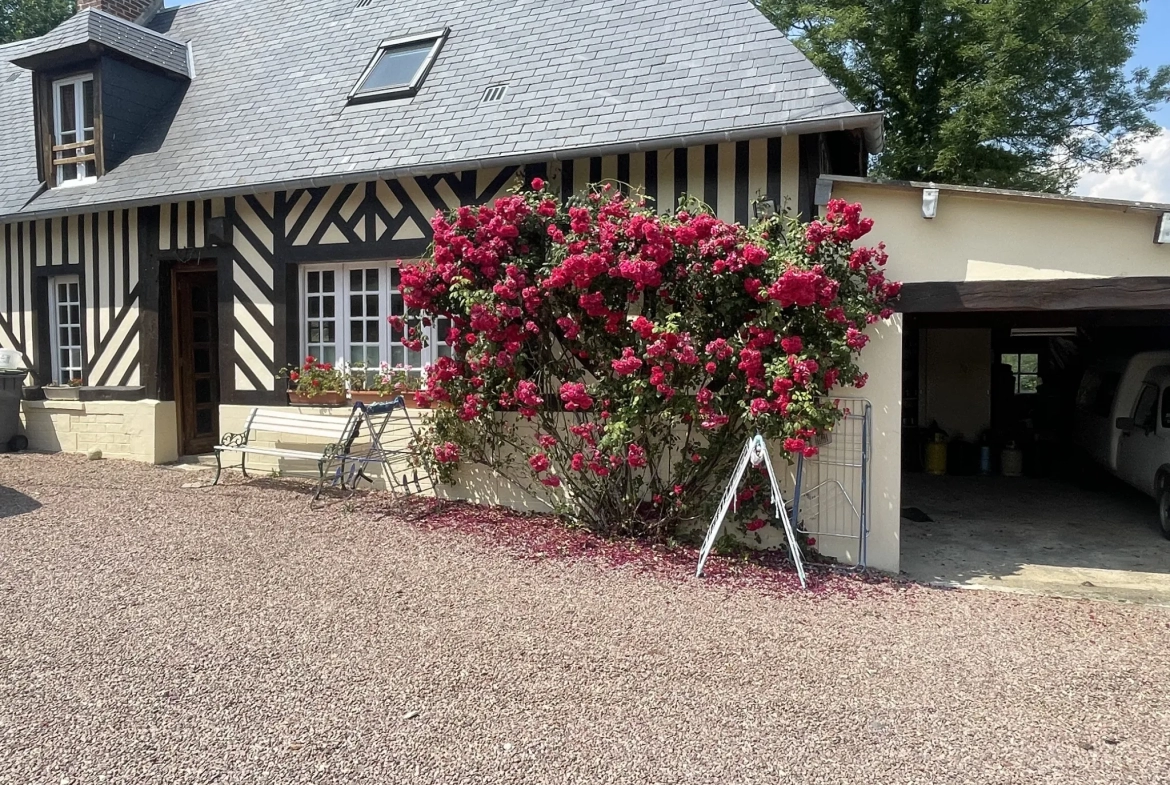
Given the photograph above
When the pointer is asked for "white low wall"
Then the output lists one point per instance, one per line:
(476, 484)
(481, 485)
(882, 360)
(144, 431)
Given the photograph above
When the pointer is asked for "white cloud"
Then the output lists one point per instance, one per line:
(1146, 182)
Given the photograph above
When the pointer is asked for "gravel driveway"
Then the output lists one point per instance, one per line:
(155, 634)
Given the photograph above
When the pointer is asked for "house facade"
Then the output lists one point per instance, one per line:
(196, 198)
(193, 199)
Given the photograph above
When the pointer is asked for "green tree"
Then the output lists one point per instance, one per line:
(20, 19)
(1003, 93)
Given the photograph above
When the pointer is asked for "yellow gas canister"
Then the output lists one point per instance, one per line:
(936, 456)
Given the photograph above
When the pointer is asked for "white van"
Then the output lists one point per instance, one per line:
(1143, 452)
(1109, 390)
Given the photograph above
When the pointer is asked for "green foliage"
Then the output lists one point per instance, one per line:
(616, 360)
(314, 378)
(1004, 93)
(20, 19)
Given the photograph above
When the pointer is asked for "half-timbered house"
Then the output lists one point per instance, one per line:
(192, 198)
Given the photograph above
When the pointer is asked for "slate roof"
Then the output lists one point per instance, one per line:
(267, 106)
(98, 27)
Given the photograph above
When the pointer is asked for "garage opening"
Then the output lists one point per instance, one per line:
(1016, 474)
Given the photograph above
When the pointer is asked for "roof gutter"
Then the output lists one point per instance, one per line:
(870, 123)
(825, 183)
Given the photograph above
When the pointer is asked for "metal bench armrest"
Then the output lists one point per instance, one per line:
(234, 440)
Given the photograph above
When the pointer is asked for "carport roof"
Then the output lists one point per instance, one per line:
(1125, 205)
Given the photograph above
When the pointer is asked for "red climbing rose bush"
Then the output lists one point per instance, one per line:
(620, 358)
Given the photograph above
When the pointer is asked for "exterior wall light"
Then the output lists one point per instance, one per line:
(929, 202)
(217, 231)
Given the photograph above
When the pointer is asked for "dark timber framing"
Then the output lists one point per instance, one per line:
(126, 258)
(1076, 294)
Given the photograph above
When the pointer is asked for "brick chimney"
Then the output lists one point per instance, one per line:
(139, 11)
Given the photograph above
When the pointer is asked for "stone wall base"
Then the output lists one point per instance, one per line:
(144, 431)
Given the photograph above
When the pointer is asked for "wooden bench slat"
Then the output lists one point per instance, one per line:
(323, 420)
(312, 456)
(333, 427)
(272, 414)
(333, 435)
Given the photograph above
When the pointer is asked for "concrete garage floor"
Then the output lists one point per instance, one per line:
(1039, 536)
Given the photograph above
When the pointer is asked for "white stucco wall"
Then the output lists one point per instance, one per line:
(985, 237)
(882, 360)
(976, 237)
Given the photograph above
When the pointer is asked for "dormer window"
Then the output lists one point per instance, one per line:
(399, 67)
(99, 82)
(74, 149)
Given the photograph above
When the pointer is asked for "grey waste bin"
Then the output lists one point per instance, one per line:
(11, 389)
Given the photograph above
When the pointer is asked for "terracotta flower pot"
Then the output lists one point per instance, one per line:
(322, 399)
(370, 396)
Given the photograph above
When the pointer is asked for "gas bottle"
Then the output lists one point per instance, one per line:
(936, 455)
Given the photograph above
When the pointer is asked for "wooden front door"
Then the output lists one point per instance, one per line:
(196, 332)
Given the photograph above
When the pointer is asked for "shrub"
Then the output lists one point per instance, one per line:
(638, 351)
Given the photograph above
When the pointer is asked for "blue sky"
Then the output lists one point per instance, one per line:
(1153, 47)
(1150, 180)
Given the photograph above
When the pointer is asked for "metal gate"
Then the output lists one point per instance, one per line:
(831, 501)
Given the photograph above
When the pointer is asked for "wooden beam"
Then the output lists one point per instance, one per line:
(1075, 294)
(77, 159)
(61, 148)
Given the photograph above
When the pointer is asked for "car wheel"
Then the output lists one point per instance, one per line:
(1164, 510)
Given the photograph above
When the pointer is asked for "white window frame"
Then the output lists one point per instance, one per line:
(55, 325)
(435, 337)
(78, 82)
(1019, 374)
(409, 88)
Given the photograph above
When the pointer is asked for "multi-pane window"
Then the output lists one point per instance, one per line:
(1025, 371)
(346, 311)
(65, 292)
(365, 316)
(321, 314)
(74, 148)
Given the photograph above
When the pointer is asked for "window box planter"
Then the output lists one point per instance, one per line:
(371, 396)
(324, 399)
(60, 393)
(55, 393)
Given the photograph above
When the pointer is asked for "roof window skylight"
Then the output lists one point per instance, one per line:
(399, 67)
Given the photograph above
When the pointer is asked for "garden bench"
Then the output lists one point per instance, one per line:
(338, 435)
